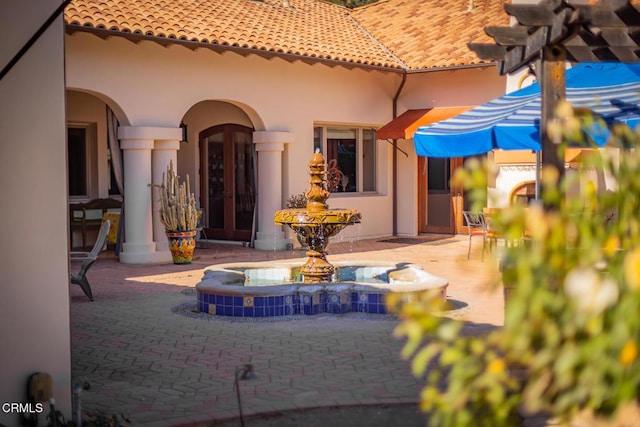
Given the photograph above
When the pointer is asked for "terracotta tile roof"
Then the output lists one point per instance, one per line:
(306, 28)
(410, 34)
(432, 33)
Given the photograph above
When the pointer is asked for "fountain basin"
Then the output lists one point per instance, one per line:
(270, 289)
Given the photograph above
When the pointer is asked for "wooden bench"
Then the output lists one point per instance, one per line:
(88, 216)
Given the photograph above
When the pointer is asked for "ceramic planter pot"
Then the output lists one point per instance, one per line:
(181, 245)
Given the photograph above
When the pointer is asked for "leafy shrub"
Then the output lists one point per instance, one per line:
(297, 201)
(570, 340)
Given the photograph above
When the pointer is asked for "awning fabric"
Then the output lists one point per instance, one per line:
(405, 125)
(512, 121)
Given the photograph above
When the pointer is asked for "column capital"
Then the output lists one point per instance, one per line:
(136, 144)
(271, 140)
(270, 146)
(166, 144)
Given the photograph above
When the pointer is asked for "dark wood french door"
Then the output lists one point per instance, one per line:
(227, 187)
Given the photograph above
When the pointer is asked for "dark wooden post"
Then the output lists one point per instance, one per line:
(552, 87)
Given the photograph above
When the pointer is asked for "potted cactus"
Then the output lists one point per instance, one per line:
(179, 215)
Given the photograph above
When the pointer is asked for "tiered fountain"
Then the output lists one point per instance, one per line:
(317, 223)
(269, 289)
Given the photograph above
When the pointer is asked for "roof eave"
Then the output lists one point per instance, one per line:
(244, 51)
(452, 67)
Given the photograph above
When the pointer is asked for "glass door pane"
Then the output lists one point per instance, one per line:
(342, 173)
(77, 161)
(243, 180)
(215, 180)
(438, 194)
(368, 160)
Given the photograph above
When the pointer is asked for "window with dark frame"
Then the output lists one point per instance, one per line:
(77, 161)
(350, 153)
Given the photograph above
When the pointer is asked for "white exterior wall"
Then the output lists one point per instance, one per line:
(407, 188)
(85, 109)
(34, 296)
(451, 88)
(159, 86)
(199, 118)
(156, 86)
(448, 88)
(509, 177)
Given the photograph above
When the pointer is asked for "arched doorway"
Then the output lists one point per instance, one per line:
(227, 181)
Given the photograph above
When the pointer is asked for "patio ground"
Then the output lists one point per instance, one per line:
(147, 356)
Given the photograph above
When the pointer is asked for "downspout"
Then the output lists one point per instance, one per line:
(394, 169)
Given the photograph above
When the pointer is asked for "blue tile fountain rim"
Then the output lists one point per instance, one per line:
(241, 289)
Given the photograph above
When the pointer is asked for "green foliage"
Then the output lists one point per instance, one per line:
(297, 201)
(572, 330)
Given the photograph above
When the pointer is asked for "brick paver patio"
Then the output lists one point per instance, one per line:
(161, 366)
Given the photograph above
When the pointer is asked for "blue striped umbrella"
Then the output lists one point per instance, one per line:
(512, 121)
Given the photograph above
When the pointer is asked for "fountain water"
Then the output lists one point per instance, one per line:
(267, 289)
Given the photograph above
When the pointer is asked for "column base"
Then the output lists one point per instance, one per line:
(162, 245)
(271, 241)
(142, 253)
(162, 257)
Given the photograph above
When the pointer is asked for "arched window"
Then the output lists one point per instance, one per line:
(523, 193)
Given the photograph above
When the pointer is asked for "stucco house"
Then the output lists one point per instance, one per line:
(240, 94)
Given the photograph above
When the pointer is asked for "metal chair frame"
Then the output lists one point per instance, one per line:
(88, 258)
(476, 226)
(202, 240)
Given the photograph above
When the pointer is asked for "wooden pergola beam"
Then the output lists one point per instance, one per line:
(533, 15)
(601, 32)
(617, 37)
(488, 52)
(603, 15)
(508, 35)
(552, 91)
(554, 31)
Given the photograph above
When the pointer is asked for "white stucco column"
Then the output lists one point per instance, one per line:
(140, 172)
(270, 146)
(164, 152)
(138, 246)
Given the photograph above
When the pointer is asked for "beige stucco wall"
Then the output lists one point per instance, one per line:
(86, 110)
(451, 88)
(448, 88)
(157, 86)
(200, 117)
(151, 85)
(34, 295)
